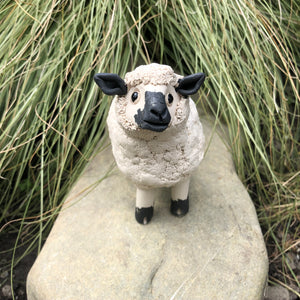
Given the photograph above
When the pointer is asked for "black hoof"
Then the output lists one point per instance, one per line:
(144, 215)
(179, 208)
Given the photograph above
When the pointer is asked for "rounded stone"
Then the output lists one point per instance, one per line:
(97, 250)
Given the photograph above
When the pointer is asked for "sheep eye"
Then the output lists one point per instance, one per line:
(134, 96)
(170, 98)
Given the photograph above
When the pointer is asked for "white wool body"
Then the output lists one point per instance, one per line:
(157, 159)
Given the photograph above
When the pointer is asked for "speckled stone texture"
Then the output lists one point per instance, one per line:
(96, 249)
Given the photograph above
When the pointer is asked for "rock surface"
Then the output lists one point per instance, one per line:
(96, 249)
(276, 293)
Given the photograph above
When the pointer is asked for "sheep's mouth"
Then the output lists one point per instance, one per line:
(151, 120)
(154, 126)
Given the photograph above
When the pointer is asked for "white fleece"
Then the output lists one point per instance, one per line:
(157, 159)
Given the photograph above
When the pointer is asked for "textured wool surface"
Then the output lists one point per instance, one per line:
(156, 159)
(155, 74)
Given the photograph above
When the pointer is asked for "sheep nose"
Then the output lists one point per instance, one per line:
(158, 113)
(156, 110)
(155, 116)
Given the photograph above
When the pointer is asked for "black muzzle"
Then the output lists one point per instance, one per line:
(155, 116)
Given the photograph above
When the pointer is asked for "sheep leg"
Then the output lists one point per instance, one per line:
(144, 205)
(180, 198)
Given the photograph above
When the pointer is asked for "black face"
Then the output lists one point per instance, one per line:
(155, 116)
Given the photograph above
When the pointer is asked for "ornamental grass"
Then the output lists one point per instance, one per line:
(52, 115)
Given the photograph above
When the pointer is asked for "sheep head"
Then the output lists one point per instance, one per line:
(152, 97)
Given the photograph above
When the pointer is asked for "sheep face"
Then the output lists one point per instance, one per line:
(151, 107)
(151, 98)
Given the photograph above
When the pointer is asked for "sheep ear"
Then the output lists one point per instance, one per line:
(190, 84)
(111, 84)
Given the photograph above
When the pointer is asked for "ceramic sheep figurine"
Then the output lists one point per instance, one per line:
(156, 136)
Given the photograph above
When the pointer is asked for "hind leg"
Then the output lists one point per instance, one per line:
(180, 198)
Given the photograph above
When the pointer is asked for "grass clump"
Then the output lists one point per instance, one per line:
(51, 117)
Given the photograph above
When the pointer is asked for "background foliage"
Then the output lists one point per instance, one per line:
(52, 117)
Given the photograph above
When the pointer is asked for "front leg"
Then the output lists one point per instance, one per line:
(180, 198)
(144, 205)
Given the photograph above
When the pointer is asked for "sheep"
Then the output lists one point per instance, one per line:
(156, 135)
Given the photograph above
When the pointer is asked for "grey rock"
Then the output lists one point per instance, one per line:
(277, 293)
(6, 291)
(291, 260)
(96, 249)
(4, 274)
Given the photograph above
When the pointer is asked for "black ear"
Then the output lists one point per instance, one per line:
(111, 84)
(190, 84)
